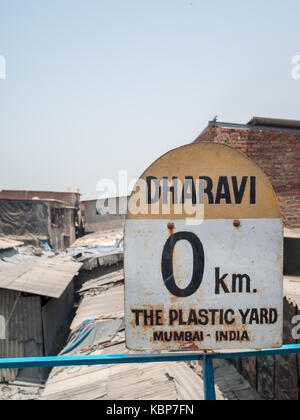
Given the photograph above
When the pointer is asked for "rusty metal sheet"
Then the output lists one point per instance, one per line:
(203, 254)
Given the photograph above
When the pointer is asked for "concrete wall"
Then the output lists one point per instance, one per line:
(95, 220)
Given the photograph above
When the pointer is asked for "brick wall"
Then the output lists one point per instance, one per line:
(276, 152)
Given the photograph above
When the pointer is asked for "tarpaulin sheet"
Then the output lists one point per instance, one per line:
(93, 332)
(85, 253)
(23, 218)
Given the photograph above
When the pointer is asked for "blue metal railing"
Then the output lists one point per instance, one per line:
(209, 382)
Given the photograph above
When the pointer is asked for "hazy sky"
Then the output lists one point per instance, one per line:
(98, 86)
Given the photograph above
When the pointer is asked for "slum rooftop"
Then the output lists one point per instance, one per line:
(98, 329)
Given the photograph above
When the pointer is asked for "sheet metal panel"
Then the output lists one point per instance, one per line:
(8, 244)
(44, 277)
(57, 316)
(24, 325)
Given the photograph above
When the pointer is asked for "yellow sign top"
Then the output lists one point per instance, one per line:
(203, 180)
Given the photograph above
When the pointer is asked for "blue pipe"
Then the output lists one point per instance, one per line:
(209, 380)
(30, 362)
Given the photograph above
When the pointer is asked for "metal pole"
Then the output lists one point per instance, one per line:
(209, 380)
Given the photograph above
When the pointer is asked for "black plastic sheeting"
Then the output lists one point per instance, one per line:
(292, 256)
(23, 218)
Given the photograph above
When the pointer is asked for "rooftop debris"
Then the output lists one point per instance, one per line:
(20, 391)
(99, 239)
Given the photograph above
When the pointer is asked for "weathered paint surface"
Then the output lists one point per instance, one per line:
(211, 285)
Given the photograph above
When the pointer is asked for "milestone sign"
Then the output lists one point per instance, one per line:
(203, 254)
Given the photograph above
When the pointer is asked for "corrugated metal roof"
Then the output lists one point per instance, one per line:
(103, 281)
(8, 244)
(158, 382)
(98, 328)
(105, 335)
(104, 260)
(38, 276)
(96, 306)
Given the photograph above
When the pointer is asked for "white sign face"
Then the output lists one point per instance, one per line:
(203, 254)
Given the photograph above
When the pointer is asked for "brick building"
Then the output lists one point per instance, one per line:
(275, 146)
